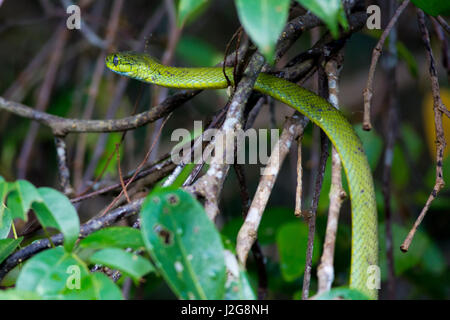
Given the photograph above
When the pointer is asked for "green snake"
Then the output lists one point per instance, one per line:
(364, 253)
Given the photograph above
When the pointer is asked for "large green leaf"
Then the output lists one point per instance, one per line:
(330, 12)
(292, 241)
(434, 7)
(7, 246)
(263, 20)
(184, 244)
(189, 9)
(129, 263)
(115, 237)
(56, 211)
(15, 294)
(58, 274)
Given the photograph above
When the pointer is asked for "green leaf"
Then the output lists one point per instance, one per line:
(106, 289)
(237, 285)
(129, 263)
(434, 7)
(263, 20)
(342, 293)
(46, 273)
(7, 246)
(189, 9)
(4, 189)
(184, 244)
(58, 274)
(292, 241)
(22, 195)
(330, 12)
(15, 294)
(57, 211)
(5, 223)
(116, 237)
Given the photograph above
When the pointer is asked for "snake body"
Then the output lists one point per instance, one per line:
(364, 253)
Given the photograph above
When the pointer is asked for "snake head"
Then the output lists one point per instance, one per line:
(131, 64)
(121, 63)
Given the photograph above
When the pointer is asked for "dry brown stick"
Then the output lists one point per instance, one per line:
(368, 91)
(310, 216)
(97, 75)
(63, 170)
(299, 187)
(258, 255)
(161, 167)
(42, 100)
(445, 55)
(292, 128)
(438, 107)
(325, 271)
(62, 126)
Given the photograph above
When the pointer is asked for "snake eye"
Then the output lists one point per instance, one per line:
(115, 60)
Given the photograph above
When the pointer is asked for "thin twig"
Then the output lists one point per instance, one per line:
(444, 24)
(368, 91)
(438, 107)
(310, 216)
(63, 170)
(325, 271)
(256, 248)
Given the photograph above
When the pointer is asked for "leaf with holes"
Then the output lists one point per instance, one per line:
(184, 244)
